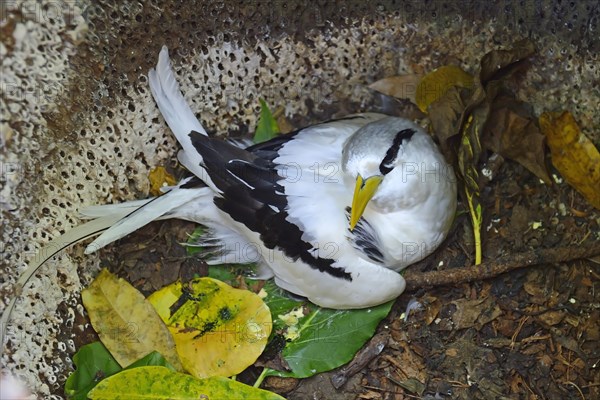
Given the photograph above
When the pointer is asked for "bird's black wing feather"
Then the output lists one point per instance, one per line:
(365, 239)
(253, 196)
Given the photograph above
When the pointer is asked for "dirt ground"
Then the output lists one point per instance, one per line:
(532, 333)
(77, 93)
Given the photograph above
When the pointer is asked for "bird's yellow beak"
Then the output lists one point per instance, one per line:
(363, 192)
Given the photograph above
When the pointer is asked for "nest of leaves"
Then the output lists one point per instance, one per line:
(189, 338)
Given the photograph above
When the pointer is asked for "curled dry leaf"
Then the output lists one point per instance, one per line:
(433, 305)
(435, 84)
(512, 132)
(126, 323)
(500, 64)
(218, 330)
(573, 154)
(401, 86)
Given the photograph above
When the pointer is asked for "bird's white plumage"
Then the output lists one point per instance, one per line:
(284, 204)
(167, 205)
(413, 209)
(177, 113)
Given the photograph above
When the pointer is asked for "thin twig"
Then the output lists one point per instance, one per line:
(491, 269)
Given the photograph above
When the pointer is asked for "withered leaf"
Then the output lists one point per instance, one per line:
(400, 87)
(459, 107)
(573, 154)
(512, 132)
(474, 313)
(446, 118)
(460, 124)
(499, 64)
(125, 321)
(469, 151)
(433, 305)
(435, 84)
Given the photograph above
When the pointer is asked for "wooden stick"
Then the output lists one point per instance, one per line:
(490, 269)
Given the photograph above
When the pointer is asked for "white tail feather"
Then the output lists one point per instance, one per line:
(113, 222)
(164, 206)
(177, 114)
(171, 102)
(104, 210)
(55, 246)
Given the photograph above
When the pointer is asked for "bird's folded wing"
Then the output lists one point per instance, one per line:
(253, 196)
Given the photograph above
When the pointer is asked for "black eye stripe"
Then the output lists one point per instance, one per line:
(388, 161)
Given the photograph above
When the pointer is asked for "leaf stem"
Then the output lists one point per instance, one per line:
(476, 219)
(261, 378)
(308, 321)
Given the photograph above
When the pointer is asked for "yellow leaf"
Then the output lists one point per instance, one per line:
(218, 330)
(436, 83)
(400, 87)
(161, 383)
(126, 322)
(159, 177)
(573, 154)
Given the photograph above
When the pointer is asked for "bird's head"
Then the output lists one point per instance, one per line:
(371, 155)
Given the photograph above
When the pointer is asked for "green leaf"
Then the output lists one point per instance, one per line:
(161, 383)
(267, 125)
(93, 362)
(280, 303)
(194, 236)
(229, 273)
(154, 358)
(323, 338)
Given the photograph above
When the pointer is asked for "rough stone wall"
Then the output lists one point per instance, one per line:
(78, 125)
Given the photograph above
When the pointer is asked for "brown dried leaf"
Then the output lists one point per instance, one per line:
(369, 395)
(573, 154)
(552, 317)
(408, 363)
(475, 313)
(400, 87)
(500, 64)
(512, 132)
(433, 305)
(446, 119)
(435, 84)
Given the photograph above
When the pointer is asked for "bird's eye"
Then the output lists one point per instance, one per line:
(387, 164)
